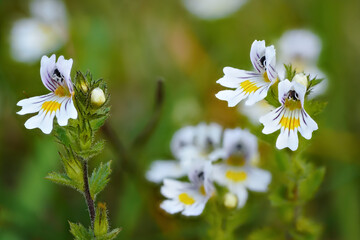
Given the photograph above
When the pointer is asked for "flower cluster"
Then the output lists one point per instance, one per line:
(291, 116)
(206, 154)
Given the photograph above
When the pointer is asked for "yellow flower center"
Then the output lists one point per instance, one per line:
(290, 123)
(202, 190)
(186, 199)
(292, 104)
(50, 106)
(236, 160)
(266, 78)
(236, 176)
(62, 92)
(248, 86)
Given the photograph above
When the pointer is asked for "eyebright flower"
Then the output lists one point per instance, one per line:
(55, 77)
(191, 145)
(45, 31)
(236, 172)
(188, 198)
(213, 9)
(290, 117)
(251, 85)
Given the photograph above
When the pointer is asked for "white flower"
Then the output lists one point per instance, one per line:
(213, 9)
(191, 145)
(251, 85)
(55, 77)
(290, 117)
(254, 112)
(97, 97)
(44, 32)
(239, 179)
(188, 198)
(240, 147)
(301, 48)
(235, 171)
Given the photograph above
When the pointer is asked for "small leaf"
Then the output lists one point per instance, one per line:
(109, 236)
(62, 179)
(98, 122)
(73, 168)
(94, 150)
(99, 179)
(101, 224)
(279, 196)
(309, 185)
(80, 232)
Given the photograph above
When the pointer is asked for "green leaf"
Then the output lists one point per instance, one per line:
(98, 121)
(62, 179)
(94, 150)
(80, 232)
(290, 72)
(99, 179)
(315, 107)
(73, 168)
(109, 236)
(309, 185)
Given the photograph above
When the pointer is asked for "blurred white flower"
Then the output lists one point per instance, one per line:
(188, 198)
(44, 32)
(254, 112)
(56, 78)
(230, 200)
(213, 9)
(191, 145)
(290, 117)
(236, 171)
(302, 48)
(252, 86)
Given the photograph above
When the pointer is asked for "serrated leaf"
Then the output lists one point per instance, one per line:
(98, 122)
(61, 136)
(290, 72)
(110, 235)
(80, 232)
(99, 179)
(73, 168)
(61, 179)
(309, 185)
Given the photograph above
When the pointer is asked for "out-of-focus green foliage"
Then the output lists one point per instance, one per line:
(132, 43)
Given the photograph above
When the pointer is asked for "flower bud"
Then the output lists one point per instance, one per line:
(97, 97)
(84, 87)
(101, 223)
(301, 78)
(230, 200)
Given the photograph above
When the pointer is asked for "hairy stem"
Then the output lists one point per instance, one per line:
(89, 200)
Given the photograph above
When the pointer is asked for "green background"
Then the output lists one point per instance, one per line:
(131, 44)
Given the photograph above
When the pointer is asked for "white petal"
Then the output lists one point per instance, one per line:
(307, 125)
(71, 110)
(256, 53)
(181, 139)
(241, 193)
(42, 121)
(258, 95)
(33, 104)
(258, 179)
(270, 56)
(164, 169)
(283, 88)
(300, 90)
(64, 67)
(172, 188)
(172, 206)
(194, 209)
(46, 68)
(287, 138)
(232, 97)
(271, 121)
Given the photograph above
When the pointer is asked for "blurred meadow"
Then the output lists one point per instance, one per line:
(134, 43)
